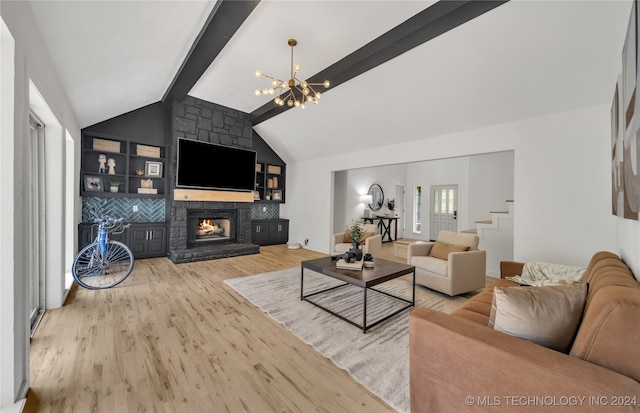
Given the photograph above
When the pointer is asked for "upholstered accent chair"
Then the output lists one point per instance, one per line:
(371, 245)
(452, 265)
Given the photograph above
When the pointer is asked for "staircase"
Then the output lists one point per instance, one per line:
(496, 237)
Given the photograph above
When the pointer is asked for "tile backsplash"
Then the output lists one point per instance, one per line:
(265, 211)
(149, 210)
(152, 210)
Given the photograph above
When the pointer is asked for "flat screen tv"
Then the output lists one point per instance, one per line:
(206, 165)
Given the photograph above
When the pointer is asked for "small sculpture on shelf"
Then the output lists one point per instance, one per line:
(102, 159)
(111, 163)
(140, 172)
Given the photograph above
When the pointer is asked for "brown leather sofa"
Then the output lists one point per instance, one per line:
(458, 363)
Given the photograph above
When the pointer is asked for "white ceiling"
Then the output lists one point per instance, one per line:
(522, 59)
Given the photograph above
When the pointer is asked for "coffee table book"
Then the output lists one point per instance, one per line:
(343, 265)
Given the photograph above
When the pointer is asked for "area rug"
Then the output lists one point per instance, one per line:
(379, 359)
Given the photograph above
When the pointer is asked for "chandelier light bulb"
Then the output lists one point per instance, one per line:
(326, 84)
(258, 73)
(272, 91)
(296, 67)
(290, 103)
(281, 103)
(303, 84)
(274, 83)
(258, 92)
(317, 95)
(302, 106)
(305, 91)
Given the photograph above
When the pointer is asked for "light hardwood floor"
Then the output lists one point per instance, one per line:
(176, 338)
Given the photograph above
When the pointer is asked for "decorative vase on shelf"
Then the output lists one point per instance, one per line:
(114, 189)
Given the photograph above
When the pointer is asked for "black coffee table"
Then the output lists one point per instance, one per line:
(367, 278)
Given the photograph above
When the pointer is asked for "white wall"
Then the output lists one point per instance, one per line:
(561, 179)
(490, 184)
(31, 62)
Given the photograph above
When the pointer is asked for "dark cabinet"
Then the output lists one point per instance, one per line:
(148, 240)
(270, 231)
(260, 232)
(145, 239)
(279, 231)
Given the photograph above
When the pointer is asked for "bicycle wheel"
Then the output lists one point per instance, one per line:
(91, 271)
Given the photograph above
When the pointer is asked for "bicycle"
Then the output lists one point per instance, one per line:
(103, 263)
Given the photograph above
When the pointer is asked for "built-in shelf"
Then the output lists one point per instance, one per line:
(107, 158)
(270, 182)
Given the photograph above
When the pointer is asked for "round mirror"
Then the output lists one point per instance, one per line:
(378, 197)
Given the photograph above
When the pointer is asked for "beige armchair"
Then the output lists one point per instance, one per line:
(372, 245)
(460, 272)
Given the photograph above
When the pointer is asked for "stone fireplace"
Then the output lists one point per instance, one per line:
(203, 230)
(227, 231)
(210, 226)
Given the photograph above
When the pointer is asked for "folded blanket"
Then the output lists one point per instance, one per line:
(539, 273)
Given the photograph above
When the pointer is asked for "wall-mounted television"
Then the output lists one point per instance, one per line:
(205, 165)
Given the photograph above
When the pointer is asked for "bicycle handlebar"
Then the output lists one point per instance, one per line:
(112, 224)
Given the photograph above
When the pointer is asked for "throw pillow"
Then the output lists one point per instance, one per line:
(366, 235)
(442, 249)
(548, 316)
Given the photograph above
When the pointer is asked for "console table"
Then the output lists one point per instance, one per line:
(384, 225)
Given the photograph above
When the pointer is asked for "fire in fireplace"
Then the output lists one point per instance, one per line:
(215, 226)
(212, 229)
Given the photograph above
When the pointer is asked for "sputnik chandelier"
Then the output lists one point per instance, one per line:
(296, 93)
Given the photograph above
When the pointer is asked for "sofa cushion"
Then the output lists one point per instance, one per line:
(548, 316)
(478, 308)
(431, 264)
(342, 247)
(460, 238)
(442, 249)
(608, 334)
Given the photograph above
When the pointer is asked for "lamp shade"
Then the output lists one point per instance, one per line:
(366, 199)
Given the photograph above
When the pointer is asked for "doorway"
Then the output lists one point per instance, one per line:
(36, 214)
(444, 209)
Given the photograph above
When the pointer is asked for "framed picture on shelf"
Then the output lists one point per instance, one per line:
(277, 195)
(93, 184)
(256, 195)
(152, 168)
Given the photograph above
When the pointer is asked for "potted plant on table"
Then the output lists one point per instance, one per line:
(356, 233)
(391, 205)
(113, 185)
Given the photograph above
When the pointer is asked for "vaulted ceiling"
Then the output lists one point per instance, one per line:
(516, 60)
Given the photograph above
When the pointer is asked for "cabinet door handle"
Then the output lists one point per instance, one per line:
(279, 227)
(147, 235)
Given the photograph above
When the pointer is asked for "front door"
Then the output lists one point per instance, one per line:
(444, 209)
